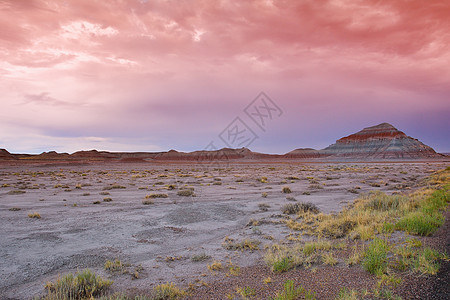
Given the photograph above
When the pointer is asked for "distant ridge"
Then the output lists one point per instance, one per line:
(380, 142)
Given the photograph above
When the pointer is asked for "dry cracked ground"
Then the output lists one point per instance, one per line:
(135, 213)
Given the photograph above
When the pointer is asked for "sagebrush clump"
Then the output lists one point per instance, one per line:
(185, 193)
(295, 208)
(83, 285)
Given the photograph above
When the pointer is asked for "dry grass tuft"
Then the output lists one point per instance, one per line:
(286, 190)
(34, 215)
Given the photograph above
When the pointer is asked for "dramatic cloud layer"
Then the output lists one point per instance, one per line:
(160, 74)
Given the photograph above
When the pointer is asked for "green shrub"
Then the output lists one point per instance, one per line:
(420, 223)
(428, 217)
(426, 261)
(246, 292)
(375, 258)
(388, 227)
(282, 265)
(82, 285)
(437, 201)
(290, 292)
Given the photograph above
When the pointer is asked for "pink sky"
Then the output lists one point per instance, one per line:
(160, 74)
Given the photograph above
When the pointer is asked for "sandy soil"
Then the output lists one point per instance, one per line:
(74, 233)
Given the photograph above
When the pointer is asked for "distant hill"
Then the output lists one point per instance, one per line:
(380, 142)
(5, 155)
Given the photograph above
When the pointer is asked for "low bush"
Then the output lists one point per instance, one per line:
(247, 244)
(329, 259)
(286, 190)
(388, 227)
(382, 202)
(200, 257)
(375, 259)
(150, 196)
(283, 264)
(167, 291)
(215, 266)
(311, 247)
(246, 292)
(356, 256)
(290, 292)
(263, 206)
(185, 193)
(18, 192)
(283, 258)
(114, 186)
(82, 285)
(347, 294)
(263, 179)
(420, 223)
(34, 215)
(295, 208)
(426, 261)
(114, 266)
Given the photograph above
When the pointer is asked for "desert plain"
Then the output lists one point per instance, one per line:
(172, 222)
